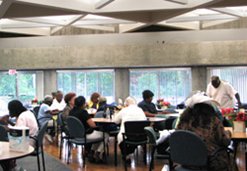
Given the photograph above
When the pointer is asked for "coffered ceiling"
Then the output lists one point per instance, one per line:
(45, 17)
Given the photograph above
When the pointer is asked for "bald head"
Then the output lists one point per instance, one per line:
(215, 81)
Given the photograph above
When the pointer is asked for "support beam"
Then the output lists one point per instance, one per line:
(56, 29)
(4, 7)
(102, 3)
(182, 2)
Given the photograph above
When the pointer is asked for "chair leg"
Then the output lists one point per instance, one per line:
(69, 148)
(115, 151)
(84, 156)
(145, 153)
(38, 160)
(124, 155)
(151, 167)
(61, 146)
(43, 159)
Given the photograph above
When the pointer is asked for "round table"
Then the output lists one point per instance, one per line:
(6, 154)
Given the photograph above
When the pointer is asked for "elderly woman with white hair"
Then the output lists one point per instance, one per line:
(45, 113)
(130, 113)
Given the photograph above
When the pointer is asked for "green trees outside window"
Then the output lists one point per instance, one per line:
(174, 85)
(86, 82)
(20, 86)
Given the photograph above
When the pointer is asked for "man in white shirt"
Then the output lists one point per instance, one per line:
(58, 103)
(223, 93)
(130, 113)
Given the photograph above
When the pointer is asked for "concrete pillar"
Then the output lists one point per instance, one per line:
(199, 78)
(40, 85)
(121, 83)
(50, 81)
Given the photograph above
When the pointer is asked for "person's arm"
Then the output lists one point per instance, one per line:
(148, 114)
(238, 100)
(91, 123)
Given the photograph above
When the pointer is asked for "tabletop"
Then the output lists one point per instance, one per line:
(108, 120)
(237, 135)
(5, 153)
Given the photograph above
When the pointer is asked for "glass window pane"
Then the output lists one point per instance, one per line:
(26, 87)
(86, 82)
(174, 85)
(7, 90)
(20, 86)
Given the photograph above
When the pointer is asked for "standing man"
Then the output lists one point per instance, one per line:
(223, 93)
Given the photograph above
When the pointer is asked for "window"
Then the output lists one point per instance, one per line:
(85, 82)
(236, 76)
(174, 85)
(21, 85)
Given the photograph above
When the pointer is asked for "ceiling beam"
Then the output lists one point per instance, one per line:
(102, 3)
(5, 6)
(201, 18)
(227, 11)
(183, 2)
(76, 6)
(28, 31)
(56, 29)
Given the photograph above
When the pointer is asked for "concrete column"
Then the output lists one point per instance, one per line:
(121, 83)
(50, 81)
(199, 78)
(40, 85)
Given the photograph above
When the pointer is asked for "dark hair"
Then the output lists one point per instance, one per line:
(200, 115)
(95, 95)
(68, 97)
(147, 94)
(15, 108)
(80, 101)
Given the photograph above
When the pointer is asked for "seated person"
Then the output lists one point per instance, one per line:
(202, 119)
(45, 115)
(102, 104)
(45, 112)
(197, 97)
(130, 113)
(147, 106)
(70, 101)
(58, 102)
(94, 101)
(79, 112)
(24, 118)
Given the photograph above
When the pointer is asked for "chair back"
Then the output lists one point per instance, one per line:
(151, 135)
(99, 114)
(62, 124)
(3, 134)
(76, 128)
(41, 134)
(134, 130)
(36, 111)
(188, 149)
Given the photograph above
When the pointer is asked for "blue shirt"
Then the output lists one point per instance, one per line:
(43, 114)
(148, 107)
